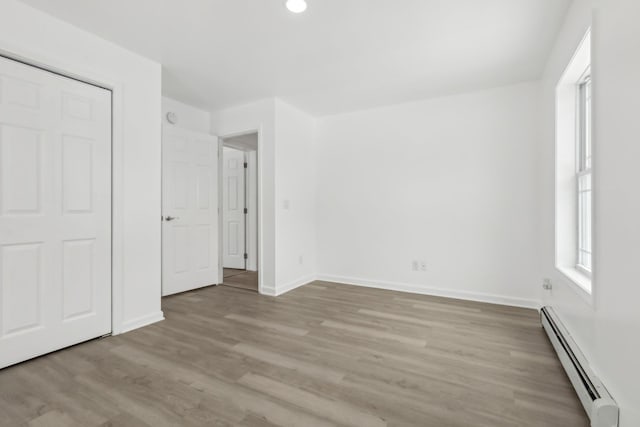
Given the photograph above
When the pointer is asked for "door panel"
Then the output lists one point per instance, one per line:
(21, 154)
(78, 279)
(233, 209)
(189, 240)
(77, 191)
(22, 294)
(55, 212)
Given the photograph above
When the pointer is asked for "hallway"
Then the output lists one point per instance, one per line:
(241, 279)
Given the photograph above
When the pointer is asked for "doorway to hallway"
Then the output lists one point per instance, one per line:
(239, 213)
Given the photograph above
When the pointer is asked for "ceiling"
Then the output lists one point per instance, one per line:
(340, 55)
(248, 142)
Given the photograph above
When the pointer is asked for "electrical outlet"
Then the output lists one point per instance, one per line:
(301, 260)
(547, 285)
(417, 265)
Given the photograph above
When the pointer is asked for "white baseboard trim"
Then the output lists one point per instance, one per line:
(288, 287)
(423, 290)
(141, 321)
(268, 291)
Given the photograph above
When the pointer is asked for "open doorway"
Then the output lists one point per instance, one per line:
(239, 211)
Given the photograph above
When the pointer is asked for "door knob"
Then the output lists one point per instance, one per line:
(171, 218)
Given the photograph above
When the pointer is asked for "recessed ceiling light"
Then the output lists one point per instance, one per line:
(297, 6)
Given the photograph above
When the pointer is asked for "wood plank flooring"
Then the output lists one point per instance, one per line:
(321, 355)
(241, 279)
(230, 272)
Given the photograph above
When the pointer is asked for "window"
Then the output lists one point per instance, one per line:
(573, 177)
(583, 178)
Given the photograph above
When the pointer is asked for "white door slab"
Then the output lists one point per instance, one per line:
(190, 210)
(233, 208)
(55, 212)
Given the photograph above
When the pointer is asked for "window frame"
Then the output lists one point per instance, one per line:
(584, 149)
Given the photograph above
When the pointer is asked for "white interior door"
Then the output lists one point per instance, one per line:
(190, 210)
(233, 208)
(55, 212)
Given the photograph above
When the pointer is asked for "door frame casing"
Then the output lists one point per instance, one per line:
(46, 62)
(260, 228)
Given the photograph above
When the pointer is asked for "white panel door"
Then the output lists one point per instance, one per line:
(190, 210)
(233, 208)
(55, 212)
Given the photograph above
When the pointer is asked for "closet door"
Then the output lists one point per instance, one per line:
(55, 212)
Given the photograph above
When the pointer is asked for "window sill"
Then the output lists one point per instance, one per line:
(580, 282)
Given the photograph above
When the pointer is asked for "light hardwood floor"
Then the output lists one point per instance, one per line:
(241, 279)
(230, 272)
(321, 355)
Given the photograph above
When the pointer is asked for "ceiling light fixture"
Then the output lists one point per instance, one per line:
(297, 6)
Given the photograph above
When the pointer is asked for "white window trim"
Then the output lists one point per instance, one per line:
(579, 282)
(583, 169)
(566, 185)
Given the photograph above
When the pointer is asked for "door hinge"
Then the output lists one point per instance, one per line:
(246, 211)
(246, 256)
(246, 165)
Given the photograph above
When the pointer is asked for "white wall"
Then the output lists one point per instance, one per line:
(188, 117)
(608, 330)
(449, 181)
(38, 37)
(295, 197)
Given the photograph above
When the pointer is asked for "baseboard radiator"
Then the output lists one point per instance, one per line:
(600, 406)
